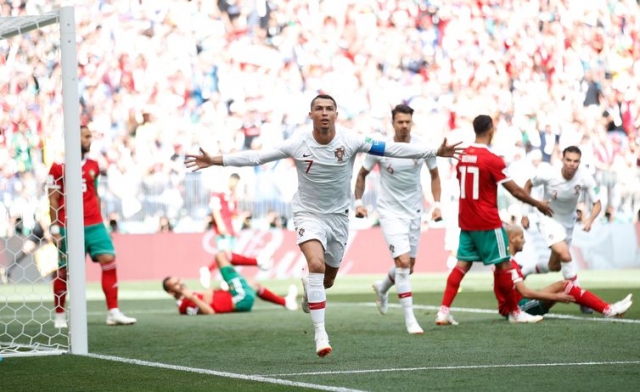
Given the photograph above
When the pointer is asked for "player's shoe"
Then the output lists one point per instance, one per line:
(305, 300)
(224, 286)
(414, 328)
(290, 301)
(116, 317)
(586, 310)
(323, 348)
(60, 321)
(445, 319)
(520, 317)
(205, 277)
(382, 299)
(618, 309)
(265, 262)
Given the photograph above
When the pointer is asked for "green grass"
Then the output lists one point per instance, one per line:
(168, 352)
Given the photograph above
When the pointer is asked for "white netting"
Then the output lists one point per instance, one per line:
(31, 131)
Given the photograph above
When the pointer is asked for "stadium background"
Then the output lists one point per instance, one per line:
(158, 79)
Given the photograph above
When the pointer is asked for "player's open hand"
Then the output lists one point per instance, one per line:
(544, 207)
(450, 150)
(197, 162)
(564, 298)
(361, 212)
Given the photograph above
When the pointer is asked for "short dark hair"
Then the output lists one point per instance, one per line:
(401, 108)
(164, 284)
(573, 149)
(324, 96)
(482, 124)
(235, 175)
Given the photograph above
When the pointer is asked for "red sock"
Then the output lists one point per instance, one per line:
(267, 295)
(60, 290)
(585, 298)
(237, 259)
(503, 281)
(110, 284)
(453, 284)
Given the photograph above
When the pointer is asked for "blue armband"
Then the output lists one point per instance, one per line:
(377, 148)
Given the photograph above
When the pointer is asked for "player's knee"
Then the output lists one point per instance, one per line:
(103, 259)
(403, 261)
(328, 282)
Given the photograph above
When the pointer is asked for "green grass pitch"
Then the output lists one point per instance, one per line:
(272, 349)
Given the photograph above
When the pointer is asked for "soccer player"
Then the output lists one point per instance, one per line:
(223, 207)
(97, 242)
(238, 298)
(539, 302)
(324, 161)
(563, 188)
(482, 237)
(400, 207)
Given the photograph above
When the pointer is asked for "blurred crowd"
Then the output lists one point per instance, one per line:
(158, 79)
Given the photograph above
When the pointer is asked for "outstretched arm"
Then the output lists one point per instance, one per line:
(203, 160)
(407, 150)
(524, 197)
(361, 210)
(542, 295)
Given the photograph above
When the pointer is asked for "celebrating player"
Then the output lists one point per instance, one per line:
(97, 242)
(482, 237)
(324, 161)
(539, 302)
(563, 188)
(400, 206)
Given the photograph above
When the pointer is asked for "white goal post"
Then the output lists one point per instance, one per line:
(77, 338)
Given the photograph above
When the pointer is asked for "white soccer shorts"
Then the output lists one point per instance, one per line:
(332, 230)
(553, 231)
(402, 235)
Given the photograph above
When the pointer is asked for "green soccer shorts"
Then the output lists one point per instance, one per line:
(488, 246)
(243, 295)
(96, 242)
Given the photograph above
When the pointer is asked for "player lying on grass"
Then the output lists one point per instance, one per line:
(239, 298)
(540, 302)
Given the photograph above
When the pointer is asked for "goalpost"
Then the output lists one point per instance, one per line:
(26, 310)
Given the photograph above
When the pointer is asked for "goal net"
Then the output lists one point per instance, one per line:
(39, 119)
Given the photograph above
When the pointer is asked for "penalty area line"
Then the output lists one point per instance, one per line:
(237, 376)
(459, 367)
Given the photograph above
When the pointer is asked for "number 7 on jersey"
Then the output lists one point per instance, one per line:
(472, 171)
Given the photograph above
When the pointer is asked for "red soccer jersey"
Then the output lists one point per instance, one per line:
(479, 172)
(90, 200)
(222, 302)
(226, 204)
(502, 302)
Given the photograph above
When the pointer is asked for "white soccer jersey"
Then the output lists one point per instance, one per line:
(563, 194)
(324, 171)
(400, 187)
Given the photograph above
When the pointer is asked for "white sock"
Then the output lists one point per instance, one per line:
(317, 297)
(403, 285)
(570, 272)
(387, 282)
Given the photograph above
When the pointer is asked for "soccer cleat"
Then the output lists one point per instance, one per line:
(520, 317)
(290, 301)
(265, 262)
(60, 321)
(382, 299)
(586, 309)
(116, 317)
(322, 346)
(414, 328)
(205, 277)
(618, 309)
(445, 319)
(224, 286)
(305, 300)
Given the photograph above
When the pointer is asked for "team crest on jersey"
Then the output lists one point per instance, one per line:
(339, 153)
(301, 231)
(392, 248)
(577, 188)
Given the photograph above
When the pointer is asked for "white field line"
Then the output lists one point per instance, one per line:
(237, 376)
(460, 367)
